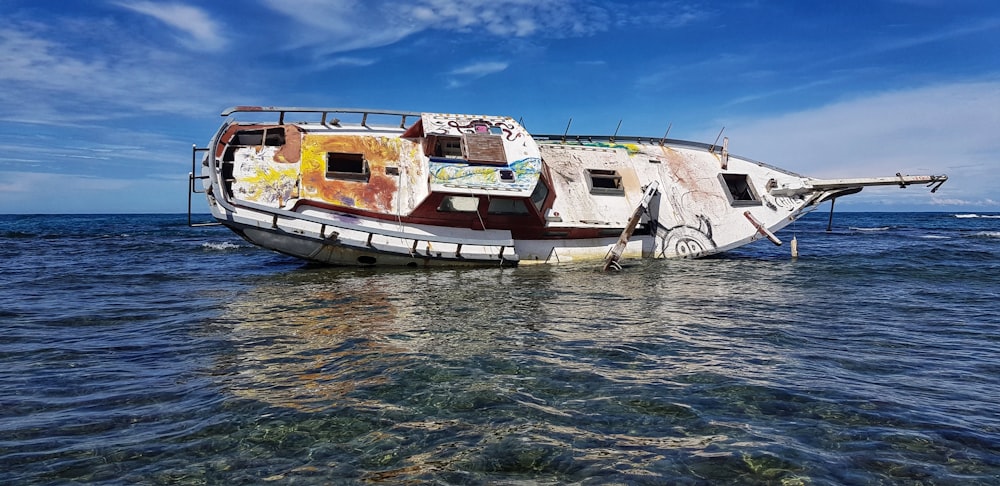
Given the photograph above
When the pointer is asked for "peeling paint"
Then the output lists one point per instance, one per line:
(262, 180)
(377, 194)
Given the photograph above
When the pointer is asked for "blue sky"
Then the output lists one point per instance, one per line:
(102, 100)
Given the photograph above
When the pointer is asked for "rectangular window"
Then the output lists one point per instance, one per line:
(352, 167)
(274, 137)
(739, 189)
(605, 181)
(459, 204)
(539, 194)
(507, 206)
(450, 147)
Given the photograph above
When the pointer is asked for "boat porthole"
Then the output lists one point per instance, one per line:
(366, 260)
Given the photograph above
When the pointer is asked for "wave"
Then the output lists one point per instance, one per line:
(936, 237)
(986, 216)
(220, 246)
(878, 228)
(987, 234)
(17, 235)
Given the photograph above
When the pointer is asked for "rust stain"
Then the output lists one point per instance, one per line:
(681, 168)
(289, 152)
(375, 195)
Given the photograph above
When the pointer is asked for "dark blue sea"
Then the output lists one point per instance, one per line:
(134, 349)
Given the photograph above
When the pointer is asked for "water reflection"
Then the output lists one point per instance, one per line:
(309, 336)
(304, 340)
(723, 369)
(562, 370)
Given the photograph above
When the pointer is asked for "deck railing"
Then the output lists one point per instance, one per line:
(325, 112)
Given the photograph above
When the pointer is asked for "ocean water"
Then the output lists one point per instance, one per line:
(134, 349)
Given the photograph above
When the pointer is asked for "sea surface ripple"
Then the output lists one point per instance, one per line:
(137, 350)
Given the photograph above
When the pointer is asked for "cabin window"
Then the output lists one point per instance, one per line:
(740, 189)
(539, 194)
(459, 204)
(605, 181)
(347, 166)
(507, 206)
(274, 137)
(450, 147)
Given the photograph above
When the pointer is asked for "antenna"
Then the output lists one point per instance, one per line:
(666, 132)
(616, 131)
(712, 148)
(567, 129)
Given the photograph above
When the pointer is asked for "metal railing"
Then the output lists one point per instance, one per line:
(325, 112)
(192, 189)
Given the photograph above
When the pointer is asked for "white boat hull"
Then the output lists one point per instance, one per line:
(456, 190)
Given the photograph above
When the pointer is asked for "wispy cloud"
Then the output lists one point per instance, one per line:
(479, 69)
(324, 63)
(461, 76)
(202, 31)
(331, 27)
(947, 128)
(942, 201)
(62, 74)
(931, 36)
(347, 26)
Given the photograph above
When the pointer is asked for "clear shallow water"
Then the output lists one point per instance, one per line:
(135, 349)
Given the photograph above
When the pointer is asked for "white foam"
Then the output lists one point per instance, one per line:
(880, 228)
(220, 246)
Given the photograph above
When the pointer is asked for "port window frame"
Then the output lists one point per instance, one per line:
(456, 203)
(508, 206)
(347, 166)
(739, 189)
(605, 182)
(540, 194)
(449, 147)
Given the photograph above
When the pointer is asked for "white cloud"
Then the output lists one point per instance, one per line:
(463, 75)
(942, 201)
(480, 69)
(948, 128)
(44, 183)
(203, 32)
(341, 26)
(62, 74)
(342, 62)
(47, 193)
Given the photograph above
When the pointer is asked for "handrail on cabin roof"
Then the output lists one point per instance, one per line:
(298, 109)
(281, 110)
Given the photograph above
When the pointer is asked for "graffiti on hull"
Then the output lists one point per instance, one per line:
(686, 241)
(262, 179)
(377, 192)
(525, 173)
